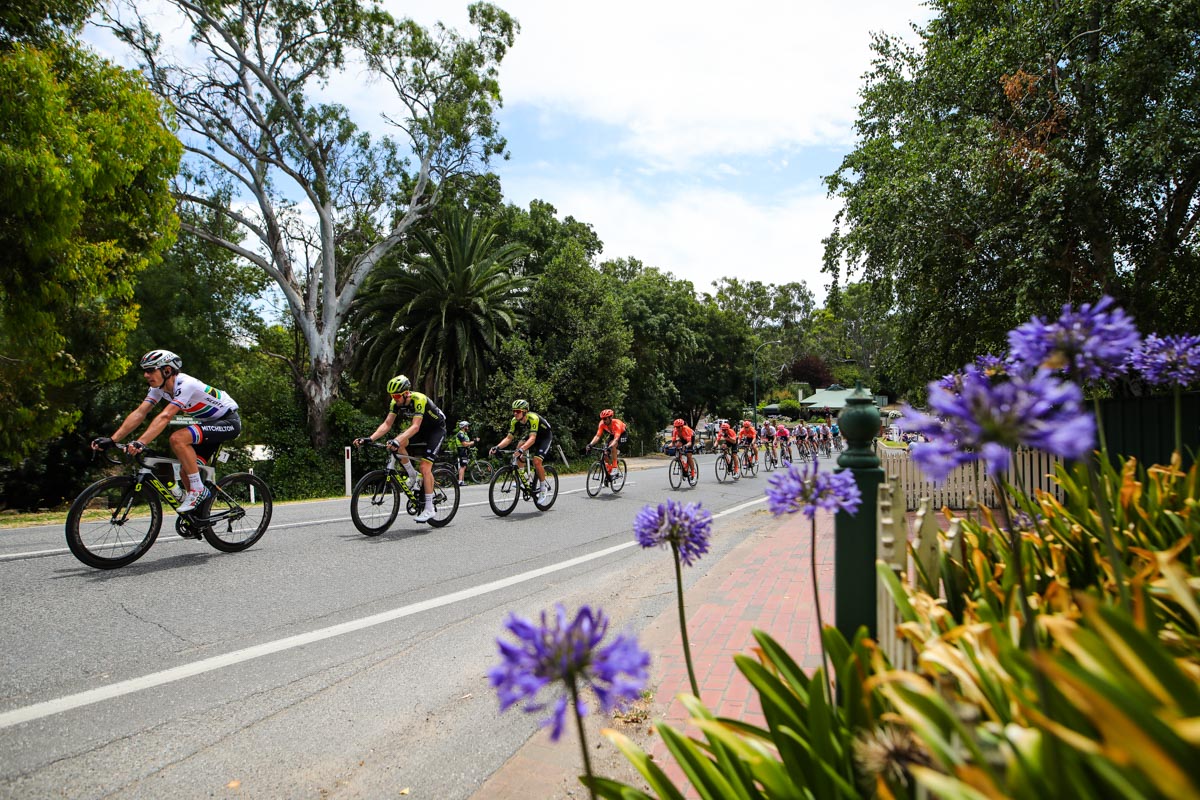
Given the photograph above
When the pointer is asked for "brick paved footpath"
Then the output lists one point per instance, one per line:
(765, 583)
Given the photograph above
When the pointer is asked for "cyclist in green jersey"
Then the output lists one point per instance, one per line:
(426, 421)
(535, 432)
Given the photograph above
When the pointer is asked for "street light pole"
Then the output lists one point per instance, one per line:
(754, 409)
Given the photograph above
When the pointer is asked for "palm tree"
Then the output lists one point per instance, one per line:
(437, 318)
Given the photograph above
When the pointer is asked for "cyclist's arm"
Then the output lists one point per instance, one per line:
(528, 443)
(134, 419)
(384, 426)
(411, 431)
(160, 423)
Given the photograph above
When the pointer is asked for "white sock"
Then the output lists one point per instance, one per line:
(195, 484)
(429, 502)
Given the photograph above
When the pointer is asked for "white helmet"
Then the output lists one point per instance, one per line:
(156, 359)
(464, 424)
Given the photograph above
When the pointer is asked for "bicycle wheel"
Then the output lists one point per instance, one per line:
(238, 512)
(693, 474)
(595, 479)
(121, 526)
(374, 503)
(722, 468)
(675, 473)
(552, 495)
(617, 484)
(505, 491)
(480, 471)
(445, 495)
(750, 465)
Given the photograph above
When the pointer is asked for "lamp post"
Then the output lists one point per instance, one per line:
(754, 410)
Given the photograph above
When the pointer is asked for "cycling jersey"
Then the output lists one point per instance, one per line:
(748, 434)
(783, 433)
(683, 434)
(194, 397)
(531, 424)
(613, 427)
(726, 437)
(419, 405)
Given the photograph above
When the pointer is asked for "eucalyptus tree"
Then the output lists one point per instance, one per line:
(439, 318)
(324, 201)
(1020, 156)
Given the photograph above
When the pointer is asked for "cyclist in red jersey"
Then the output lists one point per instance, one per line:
(683, 436)
(617, 436)
(727, 442)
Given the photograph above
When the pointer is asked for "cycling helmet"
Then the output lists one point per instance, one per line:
(725, 426)
(156, 359)
(520, 405)
(464, 424)
(399, 384)
(606, 413)
(746, 424)
(678, 423)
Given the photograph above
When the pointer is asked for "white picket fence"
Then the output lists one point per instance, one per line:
(969, 484)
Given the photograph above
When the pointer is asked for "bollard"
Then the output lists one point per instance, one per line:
(854, 584)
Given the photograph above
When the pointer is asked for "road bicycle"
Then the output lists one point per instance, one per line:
(376, 498)
(824, 447)
(749, 463)
(517, 480)
(680, 470)
(769, 459)
(479, 470)
(727, 465)
(598, 475)
(114, 521)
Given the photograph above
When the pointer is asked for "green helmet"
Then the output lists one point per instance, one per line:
(399, 384)
(520, 405)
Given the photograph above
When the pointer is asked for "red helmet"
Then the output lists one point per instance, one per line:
(606, 414)
(746, 424)
(678, 423)
(725, 426)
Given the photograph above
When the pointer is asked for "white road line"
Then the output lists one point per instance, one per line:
(61, 704)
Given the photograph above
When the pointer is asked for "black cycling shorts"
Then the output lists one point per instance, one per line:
(207, 435)
(431, 440)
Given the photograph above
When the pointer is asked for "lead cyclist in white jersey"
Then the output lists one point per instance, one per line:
(215, 413)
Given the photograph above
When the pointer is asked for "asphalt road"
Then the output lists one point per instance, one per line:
(320, 662)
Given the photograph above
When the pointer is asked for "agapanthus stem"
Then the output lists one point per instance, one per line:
(687, 650)
(1110, 544)
(1100, 427)
(1028, 630)
(1179, 420)
(812, 559)
(587, 759)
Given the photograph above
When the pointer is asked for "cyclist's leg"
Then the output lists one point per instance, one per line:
(200, 441)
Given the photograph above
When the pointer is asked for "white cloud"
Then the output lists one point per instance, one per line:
(702, 234)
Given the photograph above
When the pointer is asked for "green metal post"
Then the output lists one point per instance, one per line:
(854, 543)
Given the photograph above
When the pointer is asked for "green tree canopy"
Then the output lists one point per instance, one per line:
(1023, 156)
(85, 164)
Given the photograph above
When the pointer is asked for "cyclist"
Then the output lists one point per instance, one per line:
(748, 439)
(424, 418)
(536, 435)
(683, 436)
(824, 435)
(465, 442)
(215, 413)
(802, 440)
(783, 436)
(727, 442)
(617, 436)
(836, 433)
(766, 435)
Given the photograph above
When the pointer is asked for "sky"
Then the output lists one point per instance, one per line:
(691, 136)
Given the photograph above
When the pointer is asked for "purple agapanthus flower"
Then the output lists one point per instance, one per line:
(799, 488)
(685, 527)
(567, 653)
(989, 417)
(1089, 344)
(1173, 360)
